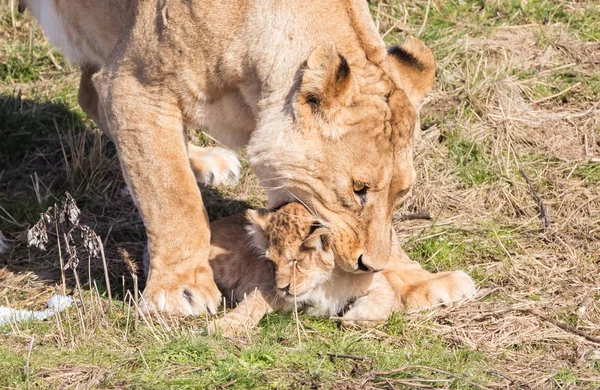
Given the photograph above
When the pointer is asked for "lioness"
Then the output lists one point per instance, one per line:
(287, 262)
(326, 111)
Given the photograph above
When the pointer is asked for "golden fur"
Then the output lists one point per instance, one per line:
(327, 114)
(290, 263)
(87, 32)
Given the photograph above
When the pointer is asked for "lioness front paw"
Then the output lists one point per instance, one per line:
(214, 165)
(193, 293)
(442, 289)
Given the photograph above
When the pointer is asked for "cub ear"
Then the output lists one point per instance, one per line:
(257, 229)
(319, 240)
(325, 77)
(258, 218)
(416, 68)
(21, 7)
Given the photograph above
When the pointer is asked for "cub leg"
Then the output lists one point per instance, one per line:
(244, 318)
(376, 306)
(151, 148)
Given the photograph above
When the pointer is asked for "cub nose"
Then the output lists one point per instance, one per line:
(285, 289)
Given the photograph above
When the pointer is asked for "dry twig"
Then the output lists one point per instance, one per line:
(562, 325)
(351, 357)
(411, 217)
(541, 206)
(427, 368)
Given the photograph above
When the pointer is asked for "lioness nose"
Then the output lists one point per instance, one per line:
(363, 265)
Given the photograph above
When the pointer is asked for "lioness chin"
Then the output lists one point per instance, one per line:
(287, 262)
(327, 112)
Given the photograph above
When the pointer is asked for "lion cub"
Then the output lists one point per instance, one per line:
(282, 259)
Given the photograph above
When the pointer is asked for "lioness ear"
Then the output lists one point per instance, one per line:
(258, 225)
(416, 67)
(326, 76)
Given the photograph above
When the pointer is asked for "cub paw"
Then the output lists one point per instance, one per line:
(228, 326)
(192, 293)
(349, 323)
(442, 289)
(214, 166)
(364, 314)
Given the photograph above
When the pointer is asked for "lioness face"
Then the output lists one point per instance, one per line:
(300, 249)
(348, 155)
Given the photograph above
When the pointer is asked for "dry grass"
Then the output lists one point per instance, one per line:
(517, 91)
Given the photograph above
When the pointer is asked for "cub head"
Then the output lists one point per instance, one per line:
(293, 240)
(343, 145)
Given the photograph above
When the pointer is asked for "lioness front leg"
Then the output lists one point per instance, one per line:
(147, 128)
(416, 288)
(441, 289)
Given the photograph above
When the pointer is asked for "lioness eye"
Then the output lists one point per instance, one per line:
(360, 190)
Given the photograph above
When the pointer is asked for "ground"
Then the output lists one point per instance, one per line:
(513, 124)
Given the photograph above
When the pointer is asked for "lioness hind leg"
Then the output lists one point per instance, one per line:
(151, 149)
(211, 165)
(214, 165)
(441, 289)
(88, 97)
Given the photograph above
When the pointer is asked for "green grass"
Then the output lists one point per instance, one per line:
(437, 254)
(472, 167)
(479, 16)
(451, 249)
(565, 379)
(200, 362)
(590, 173)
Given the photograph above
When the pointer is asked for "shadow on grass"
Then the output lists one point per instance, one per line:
(46, 150)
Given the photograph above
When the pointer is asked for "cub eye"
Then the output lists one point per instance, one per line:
(360, 190)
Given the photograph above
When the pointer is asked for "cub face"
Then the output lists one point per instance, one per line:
(294, 241)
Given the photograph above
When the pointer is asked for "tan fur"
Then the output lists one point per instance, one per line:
(87, 32)
(292, 266)
(268, 74)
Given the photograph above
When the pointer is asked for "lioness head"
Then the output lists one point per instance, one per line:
(343, 145)
(298, 247)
